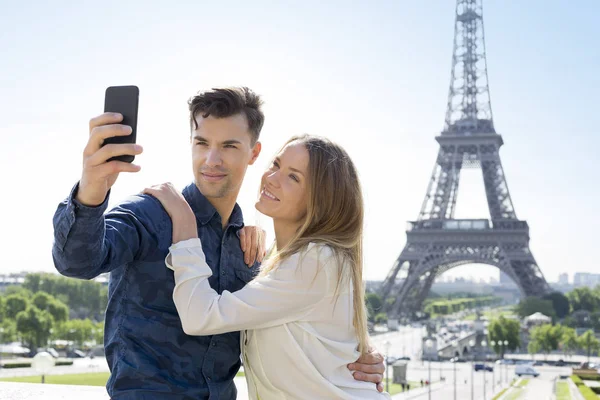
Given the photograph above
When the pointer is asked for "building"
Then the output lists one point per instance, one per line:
(586, 279)
(563, 279)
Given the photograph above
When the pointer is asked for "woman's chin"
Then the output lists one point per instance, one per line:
(262, 208)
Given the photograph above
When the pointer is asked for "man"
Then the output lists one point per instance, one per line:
(149, 355)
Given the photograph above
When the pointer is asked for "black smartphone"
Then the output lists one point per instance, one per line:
(123, 100)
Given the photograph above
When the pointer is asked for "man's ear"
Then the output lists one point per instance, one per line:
(255, 152)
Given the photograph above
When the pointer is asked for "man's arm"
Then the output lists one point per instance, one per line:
(87, 242)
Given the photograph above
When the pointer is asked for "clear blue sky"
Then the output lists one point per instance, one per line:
(372, 75)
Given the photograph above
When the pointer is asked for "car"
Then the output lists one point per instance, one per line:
(458, 360)
(483, 367)
(521, 370)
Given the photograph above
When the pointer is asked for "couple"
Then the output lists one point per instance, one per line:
(173, 331)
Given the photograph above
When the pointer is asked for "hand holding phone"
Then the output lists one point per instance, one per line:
(111, 146)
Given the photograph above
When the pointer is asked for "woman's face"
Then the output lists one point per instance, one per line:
(284, 186)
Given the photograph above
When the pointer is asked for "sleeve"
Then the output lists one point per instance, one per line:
(87, 242)
(285, 295)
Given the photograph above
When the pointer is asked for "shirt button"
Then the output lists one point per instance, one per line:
(213, 344)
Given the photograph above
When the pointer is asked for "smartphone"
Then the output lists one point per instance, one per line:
(123, 100)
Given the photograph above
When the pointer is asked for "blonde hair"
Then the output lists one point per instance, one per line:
(334, 218)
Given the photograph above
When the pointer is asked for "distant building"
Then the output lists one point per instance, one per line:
(563, 279)
(586, 279)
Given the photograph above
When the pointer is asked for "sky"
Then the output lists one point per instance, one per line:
(371, 75)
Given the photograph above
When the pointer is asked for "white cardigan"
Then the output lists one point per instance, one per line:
(299, 338)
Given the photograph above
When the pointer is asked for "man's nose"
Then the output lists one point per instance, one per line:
(213, 158)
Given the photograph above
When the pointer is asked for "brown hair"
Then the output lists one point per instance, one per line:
(334, 217)
(225, 102)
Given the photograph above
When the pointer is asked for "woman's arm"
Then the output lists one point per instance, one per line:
(285, 295)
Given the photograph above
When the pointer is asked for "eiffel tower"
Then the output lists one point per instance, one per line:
(438, 242)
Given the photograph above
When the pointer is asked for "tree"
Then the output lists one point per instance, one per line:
(589, 343)
(503, 329)
(374, 305)
(20, 290)
(2, 309)
(583, 298)
(44, 301)
(531, 305)
(9, 331)
(533, 348)
(381, 318)
(569, 341)
(560, 303)
(76, 330)
(34, 326)
(547, 337)
(14, 304)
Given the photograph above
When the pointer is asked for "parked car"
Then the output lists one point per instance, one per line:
(483, 367)
(458, 360)
(526, 370)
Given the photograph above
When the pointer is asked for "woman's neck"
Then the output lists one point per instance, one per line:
(284, 232)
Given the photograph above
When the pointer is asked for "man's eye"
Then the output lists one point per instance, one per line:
(230, 146)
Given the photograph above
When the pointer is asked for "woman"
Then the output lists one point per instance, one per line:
(303, 318)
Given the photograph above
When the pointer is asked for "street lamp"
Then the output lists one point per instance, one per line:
(455, 346)
(429, 345)
(1, 345)
(493, 344)
(440, 353)
(42, 363)
(483, 346)
(387, 345)
(505, 365)
(472, 345)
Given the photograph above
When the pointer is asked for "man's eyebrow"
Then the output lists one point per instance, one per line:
(231, 141)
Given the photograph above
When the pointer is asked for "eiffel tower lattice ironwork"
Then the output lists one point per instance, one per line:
(437, 242)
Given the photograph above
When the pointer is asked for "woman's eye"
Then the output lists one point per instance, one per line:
(294, 178)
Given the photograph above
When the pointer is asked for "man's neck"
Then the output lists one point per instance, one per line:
(224, 206)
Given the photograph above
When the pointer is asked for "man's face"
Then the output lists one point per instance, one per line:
(221, 152)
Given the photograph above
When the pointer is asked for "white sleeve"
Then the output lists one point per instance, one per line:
(285, 295)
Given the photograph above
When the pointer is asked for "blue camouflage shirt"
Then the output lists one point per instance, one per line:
(149, 355)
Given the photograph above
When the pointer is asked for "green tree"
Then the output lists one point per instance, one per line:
(98, 332)
(560, 303)
(374, 305)
(381, 318)
(547, 337)
(14, 304)
(569, 341)
(9, 331)
(533, 348)
(34, 326)
(2, 311)
(76, 330)
(504, 329)
(589, 343)
(531, 305)
(19, 290)
(44, 301)
(584, 298)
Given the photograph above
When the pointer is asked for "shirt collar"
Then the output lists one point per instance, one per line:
(205, 211)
